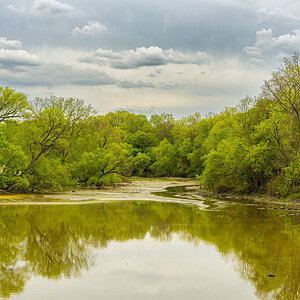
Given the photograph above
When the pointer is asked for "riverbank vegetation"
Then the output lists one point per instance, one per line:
(55, 143)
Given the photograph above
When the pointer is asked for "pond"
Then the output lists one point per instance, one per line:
(123, 245)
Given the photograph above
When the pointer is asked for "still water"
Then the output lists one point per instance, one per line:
(201, 249)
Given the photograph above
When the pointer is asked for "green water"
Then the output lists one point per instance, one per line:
(149, 250)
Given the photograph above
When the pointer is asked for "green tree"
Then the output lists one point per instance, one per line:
(103, 166)
(165, 159)
(128, 122)
(141, 164)
(13, 105)
(284, 88)
(225, 167)
(162, 125)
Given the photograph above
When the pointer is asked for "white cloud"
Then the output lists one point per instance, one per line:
(9, 44)
(266, 43)
(16, 9)
(92, 28)
(44, 7)
(51, 7)
(101, 53)
(277, 14)
(252, 51)
(140, 57)
(11, 59)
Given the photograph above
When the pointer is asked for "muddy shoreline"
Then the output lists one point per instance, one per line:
(135, 190)
(146, 190)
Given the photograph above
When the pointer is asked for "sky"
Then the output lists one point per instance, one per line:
(175, 56)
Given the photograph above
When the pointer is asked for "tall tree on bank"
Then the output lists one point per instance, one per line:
(47, 136)
(53, 123)
(284, 88)
(12, 104)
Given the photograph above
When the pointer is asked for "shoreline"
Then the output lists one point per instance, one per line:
(256, 197)
(139, 189)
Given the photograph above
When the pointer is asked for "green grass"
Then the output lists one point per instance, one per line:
(295, 196)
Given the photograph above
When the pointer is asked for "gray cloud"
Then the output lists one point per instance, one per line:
(20, 9)
(216, 27)
(142, 57)
(188, 25)
(152, 75)
(92, 28)
(24, 69)
(137, 109)
(179, 29)
(126, 84)
(204, 94)
(88, 77)
(169, 86)
(56, 75)
(275, 15)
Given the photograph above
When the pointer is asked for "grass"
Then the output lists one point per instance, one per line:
(295, 196)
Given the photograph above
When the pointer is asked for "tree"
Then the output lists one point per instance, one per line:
(142, 141)
(165, 159)
(141, 164)
(284, 88)
(104, 166)
(12, 104)
(162, 125)
(13, 159)
(46, 136)
(52, 124)
(225, 167)
(127, 121)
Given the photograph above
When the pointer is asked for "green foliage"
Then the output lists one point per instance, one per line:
(225, 167)
(48, 173)
(141, 164)
(102, 166)
(162, 125)
(13, 105)
(288, 181)
(13, 159)
(13, 162)
(142, 141)
(127, 121)
(165, 159)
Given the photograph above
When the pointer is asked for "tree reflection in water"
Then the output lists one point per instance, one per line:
(57, 241)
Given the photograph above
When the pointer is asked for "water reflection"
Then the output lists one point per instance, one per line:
(57, 241)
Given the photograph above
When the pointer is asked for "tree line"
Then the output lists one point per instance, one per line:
(55, 143)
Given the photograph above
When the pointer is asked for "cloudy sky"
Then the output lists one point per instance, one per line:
(177, 56)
